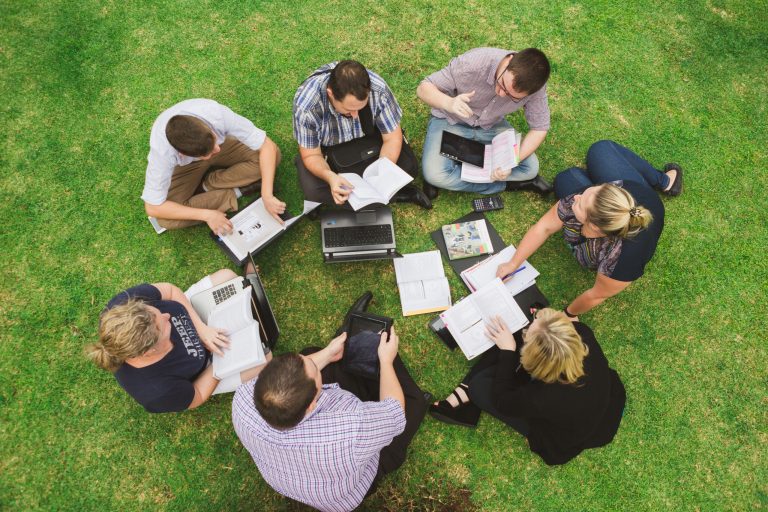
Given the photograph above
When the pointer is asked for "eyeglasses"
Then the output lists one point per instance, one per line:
(506, 91)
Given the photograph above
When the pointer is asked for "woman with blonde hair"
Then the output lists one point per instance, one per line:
(557, 390)
(610, 216)
(159, 349)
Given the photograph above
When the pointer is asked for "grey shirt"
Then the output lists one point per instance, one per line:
(476, 71)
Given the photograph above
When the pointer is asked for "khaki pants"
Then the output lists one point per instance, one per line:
(236, 165)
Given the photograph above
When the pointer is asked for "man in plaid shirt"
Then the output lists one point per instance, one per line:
(329, 109)
(322, 436)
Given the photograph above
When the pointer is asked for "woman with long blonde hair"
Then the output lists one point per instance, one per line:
(610, 216)
(552, 384)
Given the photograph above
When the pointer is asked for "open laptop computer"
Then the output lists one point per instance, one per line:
(204, 302)
(358, 235)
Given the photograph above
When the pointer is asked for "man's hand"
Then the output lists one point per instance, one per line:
(505, 269)
(500, 174)
(500, 334)
(340, 188)
(388, 347)
(335, 348)
(274, 206)
(218, 222)
(214, 339)
(459, 105)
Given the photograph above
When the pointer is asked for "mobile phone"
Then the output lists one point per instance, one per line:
(483, 204)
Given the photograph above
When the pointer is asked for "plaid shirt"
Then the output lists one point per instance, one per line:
(329, 460)
(316, 122)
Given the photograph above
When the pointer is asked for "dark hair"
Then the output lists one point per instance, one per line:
(530, 68)
(349, 77)
(284, 391)
(190, 136)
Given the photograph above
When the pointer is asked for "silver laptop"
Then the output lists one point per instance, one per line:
(205, 301)
(357, 236)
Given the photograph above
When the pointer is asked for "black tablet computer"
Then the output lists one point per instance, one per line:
(462, 149)
(361, 356)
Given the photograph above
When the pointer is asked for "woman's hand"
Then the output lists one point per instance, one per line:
(500, 334)
(505, 269)
(214, 339)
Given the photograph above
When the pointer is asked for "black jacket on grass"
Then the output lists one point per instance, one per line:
(564, 419)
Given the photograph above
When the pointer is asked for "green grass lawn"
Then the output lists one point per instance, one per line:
(82, 83)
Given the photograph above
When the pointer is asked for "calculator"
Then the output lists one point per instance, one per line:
(485, 204)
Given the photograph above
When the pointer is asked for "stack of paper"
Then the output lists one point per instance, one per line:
(422, 283)
(484, 272)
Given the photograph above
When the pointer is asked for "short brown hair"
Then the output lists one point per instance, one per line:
(530, 68)
(190, 136)
(284, 391)
(349, 77)
(125, 331)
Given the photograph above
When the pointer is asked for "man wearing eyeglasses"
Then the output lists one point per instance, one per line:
(471, 97)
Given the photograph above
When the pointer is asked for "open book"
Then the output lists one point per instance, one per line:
(253, 227)
(422, 283)
(502, 153)
(380, 181)
(245, 350)
(484, 272)
(467, 318)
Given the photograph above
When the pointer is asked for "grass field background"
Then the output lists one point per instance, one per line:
(82, 83)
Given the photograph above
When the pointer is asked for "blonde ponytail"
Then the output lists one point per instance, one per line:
(616, 213)
(125, 331)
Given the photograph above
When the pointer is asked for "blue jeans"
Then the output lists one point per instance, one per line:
(608, 161)
(446, 173)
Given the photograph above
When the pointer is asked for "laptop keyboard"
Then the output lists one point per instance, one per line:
(378, 234)
(224, 293)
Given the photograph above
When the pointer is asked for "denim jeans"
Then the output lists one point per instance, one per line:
(446, 173)
(608, 161)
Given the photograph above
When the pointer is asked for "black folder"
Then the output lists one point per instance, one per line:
(526, 298)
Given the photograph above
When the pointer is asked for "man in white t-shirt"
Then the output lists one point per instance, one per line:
(202, 158)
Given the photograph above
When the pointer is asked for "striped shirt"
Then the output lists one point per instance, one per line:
(476, 71)
(329, 460)
(600, 253)
(316, 122)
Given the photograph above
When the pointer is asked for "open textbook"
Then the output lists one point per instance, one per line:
(467, 318)
(253, 227)
(380, 181)
(422, 283)
(502, 153)
(484, 272)
(245, 350)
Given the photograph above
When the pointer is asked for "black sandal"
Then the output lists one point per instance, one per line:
(677, 186)
(465, 414)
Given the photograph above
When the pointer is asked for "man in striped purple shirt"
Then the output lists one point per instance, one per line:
(322, 436)
(471, 97)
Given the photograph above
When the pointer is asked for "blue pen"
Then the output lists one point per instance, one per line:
(508, 276)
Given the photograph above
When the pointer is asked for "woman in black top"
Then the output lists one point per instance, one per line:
(611, 218)
(557, 389)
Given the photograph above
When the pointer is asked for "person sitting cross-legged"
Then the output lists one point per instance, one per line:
(322, 436)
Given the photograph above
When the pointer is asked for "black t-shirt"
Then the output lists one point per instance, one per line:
(167, 385)
(623, 259)
(564, 419)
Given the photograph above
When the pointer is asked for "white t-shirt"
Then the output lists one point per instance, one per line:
(163, 158)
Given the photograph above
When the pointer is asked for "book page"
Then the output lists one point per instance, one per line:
(475, 174)
(484, 272)
(428, 296)
(308, 207)
(252, 227)
(386, 177)
(494, 300)
(419, 265)
(234, 313)
(503, 153)
(244, 352)
(465, 323)
(363, 194)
